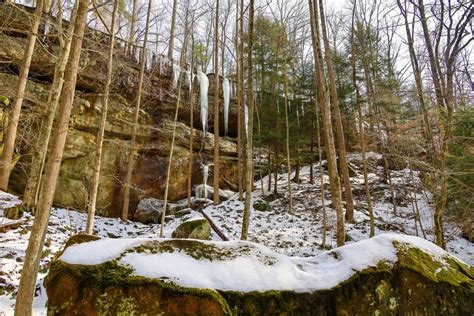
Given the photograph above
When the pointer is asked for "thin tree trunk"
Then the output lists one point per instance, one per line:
(417, 73)
(191, 125)
(175, 123)
(38, 231)
(361, 127)
(9, 137)
(132, 151)
(250, 100)
(269, 166)
(100, 136)
(275, 173)
(30, 195)
(287, 128)
(240, 104)
(216, 108)
(173, 27)
(334, 182)
(133, 28)
(341, 144)
(321, 178)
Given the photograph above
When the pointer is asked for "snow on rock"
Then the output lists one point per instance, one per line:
(203, 91)
(226, 93)
(245, 266)
(176, 74)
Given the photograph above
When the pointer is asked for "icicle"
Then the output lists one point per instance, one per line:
(226, 93)
(176, 73)
(189, 78)
(203, 87)
(205, 174)
(302, 108)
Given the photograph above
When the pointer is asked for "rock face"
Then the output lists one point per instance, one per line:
(194, 229)
(154, 133)
(406, 280)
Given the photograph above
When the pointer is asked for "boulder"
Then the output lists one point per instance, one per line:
(198, 228)
(149, 210)
(223, 194)
(14, 212)
(262, 206)
(389, 274)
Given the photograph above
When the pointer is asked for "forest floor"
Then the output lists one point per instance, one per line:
(295, 233)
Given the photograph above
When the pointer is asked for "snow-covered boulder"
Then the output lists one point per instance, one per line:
(387, 275)
(197, 228)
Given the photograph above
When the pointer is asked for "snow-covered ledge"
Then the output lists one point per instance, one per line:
(387, 273)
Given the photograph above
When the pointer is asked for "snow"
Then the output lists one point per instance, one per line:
(203, 90)
(176, 73)
(296, 235)
(255, 269)
(226, 93)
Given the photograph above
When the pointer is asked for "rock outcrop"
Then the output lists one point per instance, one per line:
(154, 133)
(386, 275)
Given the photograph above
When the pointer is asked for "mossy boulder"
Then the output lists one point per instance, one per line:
(14, 212)
(194, 229)
(262, 206)
(414, 282)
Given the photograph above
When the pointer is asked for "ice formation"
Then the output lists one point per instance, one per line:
(226, 93)
(203, 88)
(176, 73)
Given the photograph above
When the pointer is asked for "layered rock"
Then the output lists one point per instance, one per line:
(154, 133)
(386, 275)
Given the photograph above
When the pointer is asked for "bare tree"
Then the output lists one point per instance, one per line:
(9, 137)
(100, 136)
(38, 231)
(216, 107)
(249, 149)
(133, 141)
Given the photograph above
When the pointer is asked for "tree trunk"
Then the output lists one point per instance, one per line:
(100, 136)
(287, 128)
(9, 137)
(334, 182)
(173, 27)
(321, 177)
(191, 126)
(38, 231)
(341, 144)
(240, 88)
(175, 122)
(250, 100)
(133, 29)
(216, 108)
(30, 195)
(361, 128)
(132, 151)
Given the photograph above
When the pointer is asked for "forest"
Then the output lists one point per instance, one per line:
(239, 157)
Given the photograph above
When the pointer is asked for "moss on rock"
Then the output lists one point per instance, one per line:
(195, 229)
(417, 284)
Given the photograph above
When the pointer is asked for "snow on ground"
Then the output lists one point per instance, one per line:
(255, 268)
(298, 233)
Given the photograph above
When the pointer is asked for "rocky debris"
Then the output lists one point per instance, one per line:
(195, 229)
(223, 194)
(399, 278)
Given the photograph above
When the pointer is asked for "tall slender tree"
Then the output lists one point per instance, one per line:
(93, 191)
(249, 149)
(34, 250)
(334, 182)
(31, 193)
(340, 141)
(133, 142)
(6, 159)
(216, 107)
